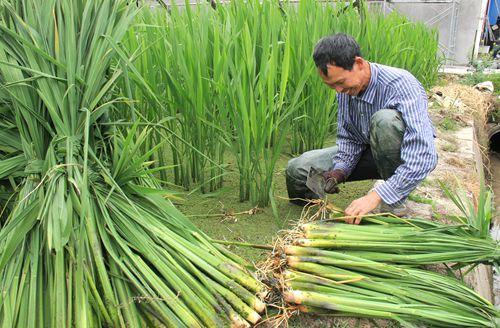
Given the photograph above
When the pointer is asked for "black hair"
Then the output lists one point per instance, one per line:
(338, 49)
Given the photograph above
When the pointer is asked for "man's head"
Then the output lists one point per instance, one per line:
(340, 64)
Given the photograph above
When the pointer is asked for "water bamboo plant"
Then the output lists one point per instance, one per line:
(173, 85)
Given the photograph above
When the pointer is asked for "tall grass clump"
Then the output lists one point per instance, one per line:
(261, 105)
(224, 86)
(176, 72)
(315, 119)
(90, 240)
(395, 41)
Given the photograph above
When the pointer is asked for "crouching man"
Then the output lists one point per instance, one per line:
(384, 131)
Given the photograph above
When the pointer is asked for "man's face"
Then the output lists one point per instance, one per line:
(345, 81)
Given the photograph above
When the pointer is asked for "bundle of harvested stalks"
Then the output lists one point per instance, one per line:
(402, 241)
(389, 239)
(338, 284)
(89, 240)
(317, 280)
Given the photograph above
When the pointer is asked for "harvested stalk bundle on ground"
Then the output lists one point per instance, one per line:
(402, 243)
(347, 285)
(414, 242)
(306, 277)
(90, 241)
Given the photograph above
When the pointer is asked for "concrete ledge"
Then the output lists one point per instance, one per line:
(483, 274)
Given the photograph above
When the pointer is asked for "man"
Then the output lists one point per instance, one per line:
(384, 131)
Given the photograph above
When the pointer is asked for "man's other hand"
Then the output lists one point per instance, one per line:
(362, 206)
(332, 179)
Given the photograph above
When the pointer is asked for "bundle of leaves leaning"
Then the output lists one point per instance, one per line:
(338, 284)
(415, 241)
(90, 241)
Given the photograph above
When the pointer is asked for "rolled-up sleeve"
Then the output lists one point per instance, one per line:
(349, 148)
(418, 152)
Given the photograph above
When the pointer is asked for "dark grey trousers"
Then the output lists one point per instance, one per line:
(379, 161)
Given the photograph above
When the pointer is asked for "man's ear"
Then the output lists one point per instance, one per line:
(359, 60)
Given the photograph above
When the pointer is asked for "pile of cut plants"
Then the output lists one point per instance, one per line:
(379, 269)
(87, 238)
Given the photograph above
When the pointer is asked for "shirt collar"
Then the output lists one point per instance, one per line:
(369, 94)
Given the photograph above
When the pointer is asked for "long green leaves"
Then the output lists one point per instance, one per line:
(179, 88)
(477, 211)
(406, 242)
(369, 270)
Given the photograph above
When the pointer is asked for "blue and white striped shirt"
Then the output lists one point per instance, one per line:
(389, 88)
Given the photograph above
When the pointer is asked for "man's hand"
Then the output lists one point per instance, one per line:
(332, 179)
(362, 206)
